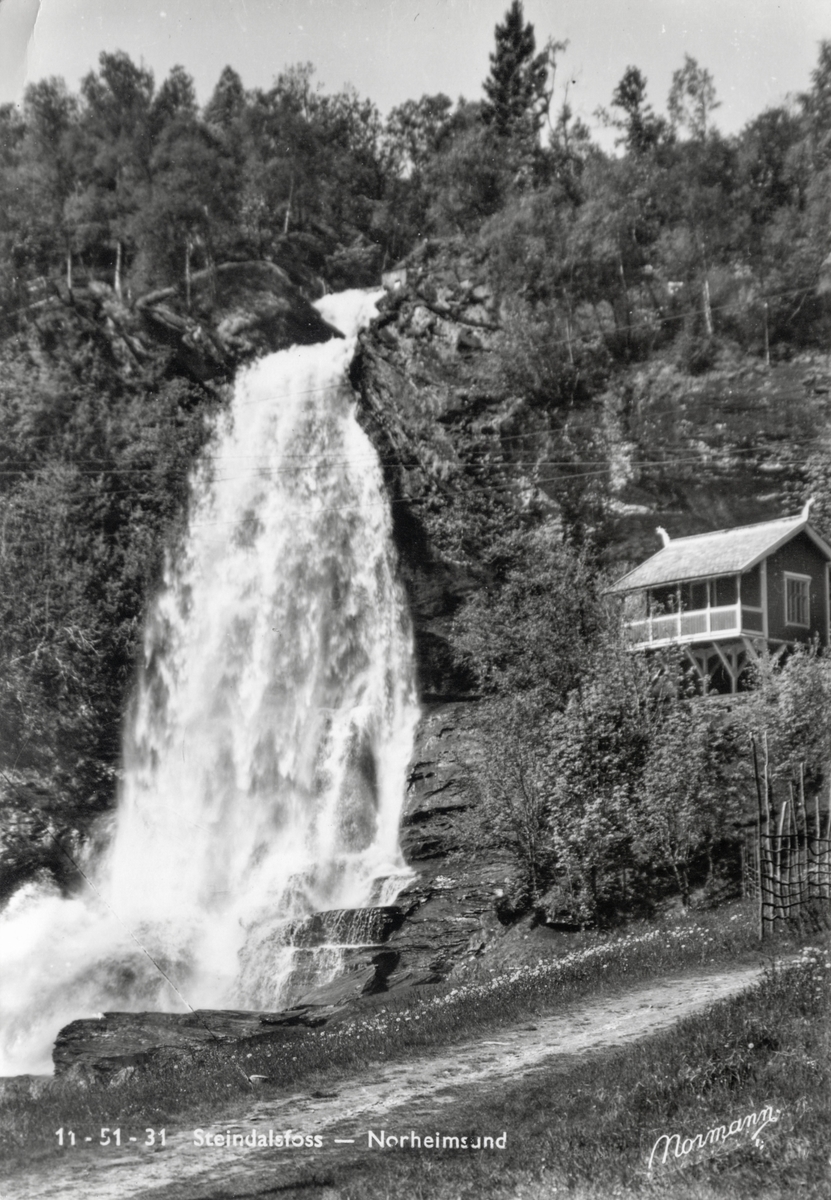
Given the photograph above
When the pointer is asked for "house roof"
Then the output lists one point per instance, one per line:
(725, 552)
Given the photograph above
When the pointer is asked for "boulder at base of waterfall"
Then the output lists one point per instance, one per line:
(103, 1049)
(363, 981)
(449, 906)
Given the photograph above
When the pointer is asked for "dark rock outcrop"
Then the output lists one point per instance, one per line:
(347, 926)
(450, 906)
(361, 980)
(108, 1048)
(422, 391)
(233, 314)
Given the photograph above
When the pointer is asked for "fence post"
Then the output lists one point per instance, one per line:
(802, 844)
(760, 853)
(771, 845)
(794, 864)
(815, 850)
(779, 891)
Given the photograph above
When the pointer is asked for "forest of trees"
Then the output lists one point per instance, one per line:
(682, 240)
(136, 185)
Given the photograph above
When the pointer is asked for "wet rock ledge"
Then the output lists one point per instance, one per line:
(441, 921)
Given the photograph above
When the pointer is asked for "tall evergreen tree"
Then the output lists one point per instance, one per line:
(227, 102)
(642, 130)
(516, 87)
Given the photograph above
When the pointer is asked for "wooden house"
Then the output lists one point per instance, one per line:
(721, 594)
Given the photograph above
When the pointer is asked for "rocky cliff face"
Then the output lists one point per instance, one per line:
(228, 316)
(423, 373)
(231, 315)
(462, 446)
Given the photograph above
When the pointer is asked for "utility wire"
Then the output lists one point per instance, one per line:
(439, 491)
(465, 465)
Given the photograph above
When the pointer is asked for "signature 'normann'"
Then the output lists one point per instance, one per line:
(754, 1122)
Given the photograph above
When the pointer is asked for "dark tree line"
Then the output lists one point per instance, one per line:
(135, 185)
(682, 231)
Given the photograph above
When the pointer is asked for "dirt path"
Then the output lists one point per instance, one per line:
(393, 1098)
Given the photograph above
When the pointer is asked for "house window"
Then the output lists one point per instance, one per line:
(797, 600)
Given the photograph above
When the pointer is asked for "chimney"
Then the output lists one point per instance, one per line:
(663, 535)
(806, 509)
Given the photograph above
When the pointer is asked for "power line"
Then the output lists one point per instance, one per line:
(441, 491)
(305, 462)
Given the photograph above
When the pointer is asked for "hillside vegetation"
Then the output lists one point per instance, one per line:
(584, 337)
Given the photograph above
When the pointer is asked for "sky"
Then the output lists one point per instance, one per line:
(758, 51)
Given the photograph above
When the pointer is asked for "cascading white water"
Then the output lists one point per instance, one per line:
(265, 758)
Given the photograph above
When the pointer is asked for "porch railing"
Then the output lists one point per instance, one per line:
(686, 626)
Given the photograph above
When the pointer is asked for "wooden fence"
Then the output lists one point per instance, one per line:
(786, 855)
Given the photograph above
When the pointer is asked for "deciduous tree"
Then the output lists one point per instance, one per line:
(692, 99)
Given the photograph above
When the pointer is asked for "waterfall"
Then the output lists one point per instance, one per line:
(266, 746)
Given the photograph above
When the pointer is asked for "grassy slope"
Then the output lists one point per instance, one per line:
(682, 1081)
(588, 1131)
